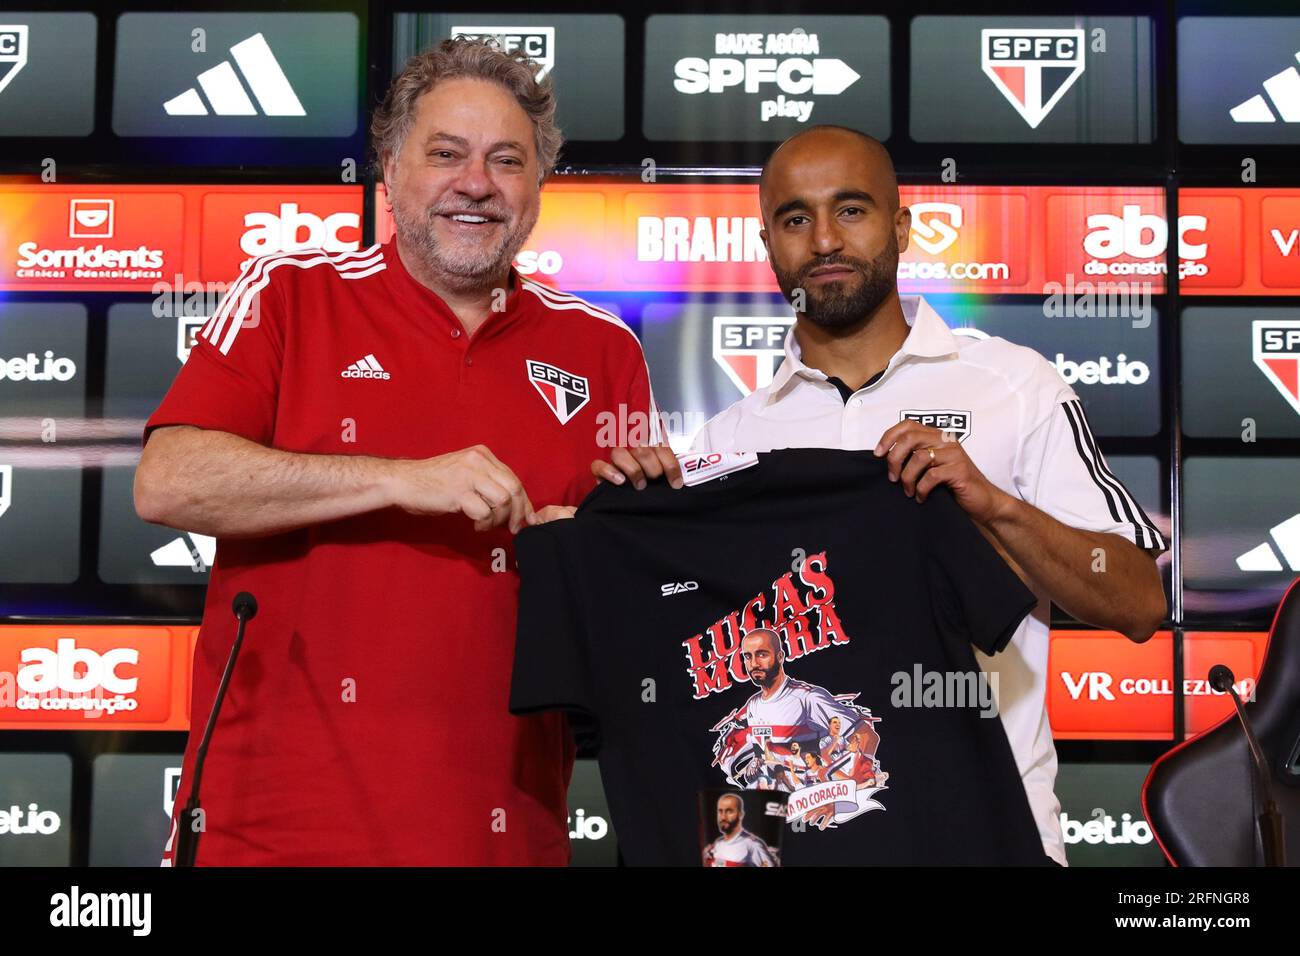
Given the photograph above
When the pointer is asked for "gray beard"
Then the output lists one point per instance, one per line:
(479, 270)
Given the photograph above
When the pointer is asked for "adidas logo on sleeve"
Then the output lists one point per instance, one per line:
(367, 367)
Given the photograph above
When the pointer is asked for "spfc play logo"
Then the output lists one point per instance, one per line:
(749, 349)
(564, 392)
(536, 43)
(13, 52)
(1277, 354)
(1032, 68)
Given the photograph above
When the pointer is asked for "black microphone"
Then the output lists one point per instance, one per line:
(187, 835)
(1268, 819)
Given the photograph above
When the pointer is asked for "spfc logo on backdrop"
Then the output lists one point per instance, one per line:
(13, 52)
(1277, 354)
(6, 487)
(187, 332)
(951, 421)
(537, 43)
(564, 392)
(749, 348)
(1032, 68)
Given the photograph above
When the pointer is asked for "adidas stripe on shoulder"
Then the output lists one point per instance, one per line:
(1123, 506)
(233, 312)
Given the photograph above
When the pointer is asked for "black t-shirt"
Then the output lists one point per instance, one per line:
(855, 609)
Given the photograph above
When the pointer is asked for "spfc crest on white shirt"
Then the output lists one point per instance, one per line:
(749, 348)
(564, 392)
(952, 421)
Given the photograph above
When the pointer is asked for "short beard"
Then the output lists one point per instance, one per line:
(459, 272)
(835, 308)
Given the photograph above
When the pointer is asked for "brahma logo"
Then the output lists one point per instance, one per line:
(536, 43)
(565, 393)
(749, 348)
(1277, 354)
(1032, 68)
(933, 234)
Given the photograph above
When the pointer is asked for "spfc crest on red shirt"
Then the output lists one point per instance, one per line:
(749, 348)
(564, 392)
(1277, 355)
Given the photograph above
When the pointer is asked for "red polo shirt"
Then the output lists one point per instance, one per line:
(367, 720)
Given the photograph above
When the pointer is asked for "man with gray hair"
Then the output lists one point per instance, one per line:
(363, 432)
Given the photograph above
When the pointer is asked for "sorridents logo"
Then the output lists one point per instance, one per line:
(951, 421)
(90, 219)
(933, 234)
(73, 678)
(1099, 371)
(13, 52)
(85, 215)
(1283, 89)
(221, 86)
(268, 232)
(1142, 235)
(1101, 829)
(565, 393)
(801, 608)
(33, 369)
(759, 63)
(1276, 351)
(1262, 557)
(537, 43)
(38, 821)
(749, 348)
(1032, 68)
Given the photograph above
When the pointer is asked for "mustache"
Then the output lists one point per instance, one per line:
(487, 210)
(857, 265)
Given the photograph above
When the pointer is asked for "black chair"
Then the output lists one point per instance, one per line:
(1201, 797)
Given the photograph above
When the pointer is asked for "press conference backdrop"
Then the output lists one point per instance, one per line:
(1080, 183)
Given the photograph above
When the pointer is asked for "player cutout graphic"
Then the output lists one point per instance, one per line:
(736, 846)
(799, 738)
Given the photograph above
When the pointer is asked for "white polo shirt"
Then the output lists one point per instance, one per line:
(1021, 425)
